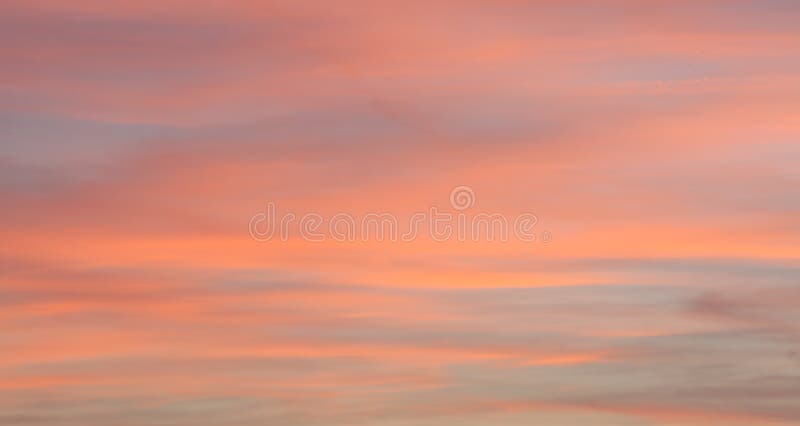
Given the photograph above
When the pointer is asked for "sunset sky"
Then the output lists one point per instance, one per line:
(656, 142)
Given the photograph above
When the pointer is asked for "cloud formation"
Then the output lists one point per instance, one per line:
(657, 142)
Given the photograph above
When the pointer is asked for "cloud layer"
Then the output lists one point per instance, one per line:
(656, 141)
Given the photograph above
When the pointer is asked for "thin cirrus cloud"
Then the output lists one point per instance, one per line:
(655, 142)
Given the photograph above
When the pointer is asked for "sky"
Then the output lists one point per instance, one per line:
(656, 144)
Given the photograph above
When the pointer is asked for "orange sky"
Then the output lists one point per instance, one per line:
(656, 143)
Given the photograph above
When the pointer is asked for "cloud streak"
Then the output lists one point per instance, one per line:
(656, 142)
